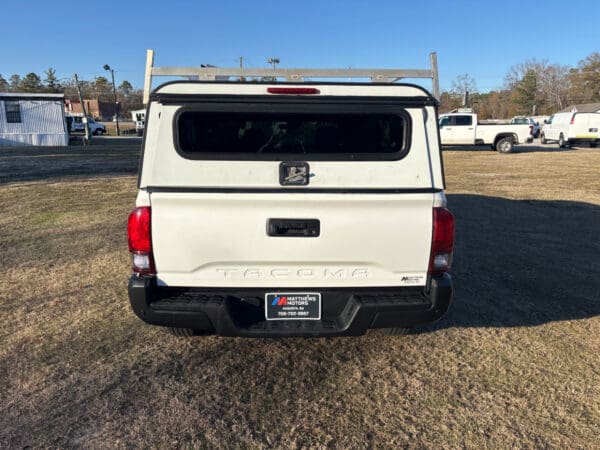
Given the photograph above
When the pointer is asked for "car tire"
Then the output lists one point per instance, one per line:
(505, 145)
(543, 139)
(182, 332)
(395, 331)
(561, 141)
(99, 132)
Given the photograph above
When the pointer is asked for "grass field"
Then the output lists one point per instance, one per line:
(514, 364)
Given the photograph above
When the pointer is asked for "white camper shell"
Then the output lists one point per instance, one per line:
(290, 209)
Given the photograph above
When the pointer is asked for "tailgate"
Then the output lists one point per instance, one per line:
(215, 240)
(366, 170)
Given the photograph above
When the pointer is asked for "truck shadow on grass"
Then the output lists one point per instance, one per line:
(110, 379)
(523, 262)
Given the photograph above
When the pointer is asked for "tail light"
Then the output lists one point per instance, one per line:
(442, 243)
(140, 240)
(293, 90)
(531, 130)
(572, 119)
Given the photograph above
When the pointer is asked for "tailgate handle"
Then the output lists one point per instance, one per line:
(294, 227)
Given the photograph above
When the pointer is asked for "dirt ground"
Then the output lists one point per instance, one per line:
(514, 363)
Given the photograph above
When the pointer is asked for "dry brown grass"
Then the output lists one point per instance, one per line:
(124, 127)
(514, 364)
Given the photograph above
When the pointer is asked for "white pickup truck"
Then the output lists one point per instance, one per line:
(462, 128)
(290, 209)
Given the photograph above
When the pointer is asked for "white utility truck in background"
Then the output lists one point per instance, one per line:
(572, 128)
(460, 127)
(139, 118)
(77, 122)
(271, 209)
(533, 125)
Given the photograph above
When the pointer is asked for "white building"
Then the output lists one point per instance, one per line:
(32, 119)
(583, 108)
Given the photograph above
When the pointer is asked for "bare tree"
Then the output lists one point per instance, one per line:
(463, 86)
(554, 84)
(464, 83)
(551, 87)
(585, 80)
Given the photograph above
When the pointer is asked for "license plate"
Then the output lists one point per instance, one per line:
(293, 306)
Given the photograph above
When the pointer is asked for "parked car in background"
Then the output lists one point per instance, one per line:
(572, 128)
(462, 128)
(77, 124)
(533, 125)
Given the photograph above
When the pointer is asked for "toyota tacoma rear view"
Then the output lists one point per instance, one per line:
(290, 209)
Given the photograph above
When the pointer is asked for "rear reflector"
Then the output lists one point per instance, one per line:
(292, 90)
(442, 243)
(142, 262)
(140, 240)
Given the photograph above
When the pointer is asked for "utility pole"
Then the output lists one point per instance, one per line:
(85, 122)
(96, 89)
(112, 72)
(242, 78)
(273, 61)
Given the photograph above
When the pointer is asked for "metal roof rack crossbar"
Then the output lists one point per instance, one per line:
(208, 73)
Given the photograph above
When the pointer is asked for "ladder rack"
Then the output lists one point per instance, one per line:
(293, 75)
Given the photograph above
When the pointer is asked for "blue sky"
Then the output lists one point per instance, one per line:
(480, 38)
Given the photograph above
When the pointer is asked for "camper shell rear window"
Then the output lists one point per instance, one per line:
(291, 135)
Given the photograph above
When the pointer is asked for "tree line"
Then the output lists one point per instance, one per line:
(99, 88)
(530, 88)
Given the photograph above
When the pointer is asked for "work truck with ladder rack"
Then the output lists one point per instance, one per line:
(290, 208)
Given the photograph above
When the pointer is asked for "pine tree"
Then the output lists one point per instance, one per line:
(32, 83)
(125, 88)
(4, 86)
(52, 83)
(103, 90)
(525, 93)
(15, 83)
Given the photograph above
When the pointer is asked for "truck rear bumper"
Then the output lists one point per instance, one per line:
(241, 312)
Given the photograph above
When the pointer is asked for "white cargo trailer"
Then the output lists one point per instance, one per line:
(32, 119)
